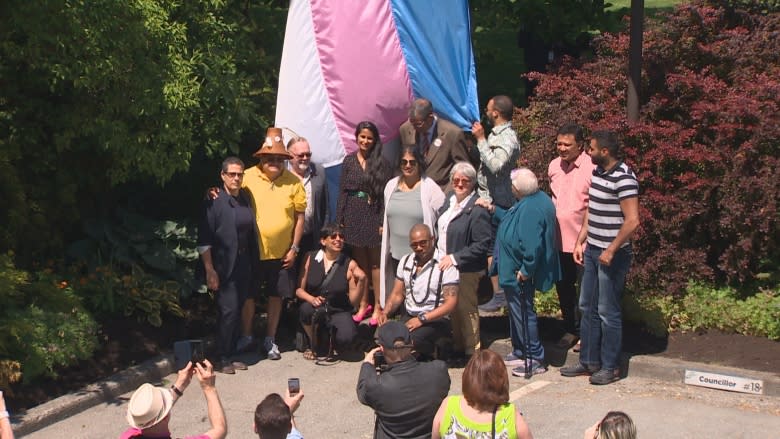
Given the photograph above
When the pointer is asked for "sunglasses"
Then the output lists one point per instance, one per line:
(303, 155)
(275, 159)
(422, 243)
(336, 235)
(460, 181)
(234, 174)
(411, 162)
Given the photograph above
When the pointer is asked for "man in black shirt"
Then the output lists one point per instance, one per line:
(405, 394)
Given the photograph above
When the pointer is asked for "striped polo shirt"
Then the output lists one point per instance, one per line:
(607, 190)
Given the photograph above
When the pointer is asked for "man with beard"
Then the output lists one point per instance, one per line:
(611, 220)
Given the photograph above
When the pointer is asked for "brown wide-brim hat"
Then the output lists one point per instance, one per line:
(273, 145)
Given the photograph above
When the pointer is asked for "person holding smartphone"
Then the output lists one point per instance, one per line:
(274, 416)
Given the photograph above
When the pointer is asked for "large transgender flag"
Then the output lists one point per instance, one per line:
(345, 61)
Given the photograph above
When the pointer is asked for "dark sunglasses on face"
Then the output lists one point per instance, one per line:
(422, 243)
(336, 235)
(458, 181)
(234, 174)
(275, 159)
(303, 155)
(411, 162)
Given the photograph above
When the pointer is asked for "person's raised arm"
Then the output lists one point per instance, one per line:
(293, 402)
(5, 420)
(205, 374)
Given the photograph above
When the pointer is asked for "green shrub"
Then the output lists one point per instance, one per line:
(43, 325)
(546, 303)
(704, 308)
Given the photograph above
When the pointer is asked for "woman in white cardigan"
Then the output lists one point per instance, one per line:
(410, 198)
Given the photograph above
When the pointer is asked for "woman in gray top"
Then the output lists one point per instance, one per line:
(410, 198)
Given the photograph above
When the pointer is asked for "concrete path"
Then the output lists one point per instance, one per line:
(555, 407)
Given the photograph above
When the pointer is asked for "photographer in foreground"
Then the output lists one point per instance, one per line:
(406, 393)
(274, 416)
(149, 410)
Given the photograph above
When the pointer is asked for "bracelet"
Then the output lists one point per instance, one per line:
(4, 414)
(176, 390)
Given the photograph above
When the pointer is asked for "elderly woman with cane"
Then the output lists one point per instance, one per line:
(527, 261)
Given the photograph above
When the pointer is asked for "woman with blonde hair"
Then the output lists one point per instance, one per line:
(615, 425)
(484, 410)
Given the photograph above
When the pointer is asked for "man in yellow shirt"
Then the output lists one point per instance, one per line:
(279, 202)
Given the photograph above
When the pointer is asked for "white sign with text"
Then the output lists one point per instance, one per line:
(724, 382)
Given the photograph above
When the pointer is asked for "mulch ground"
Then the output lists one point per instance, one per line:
(127, 342)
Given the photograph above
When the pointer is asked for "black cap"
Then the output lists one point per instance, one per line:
(392, 332)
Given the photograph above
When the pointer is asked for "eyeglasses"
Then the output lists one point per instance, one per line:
(411, 162)
(275, 159)
(336, 235)
(458, 181)
(303, 155)
(422, 243)
(234, 174)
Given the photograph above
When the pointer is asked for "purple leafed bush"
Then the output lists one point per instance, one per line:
(705, 149)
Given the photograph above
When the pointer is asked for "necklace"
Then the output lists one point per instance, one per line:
(413, 278)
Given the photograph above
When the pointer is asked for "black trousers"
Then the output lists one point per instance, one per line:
(340, 320)
(424, 338)
(567, 292)
(231, 296)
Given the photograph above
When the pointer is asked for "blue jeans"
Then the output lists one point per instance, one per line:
(601, 291)
(515, 296)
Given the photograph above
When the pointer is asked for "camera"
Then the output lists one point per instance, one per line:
(379, 359)
(188, 350)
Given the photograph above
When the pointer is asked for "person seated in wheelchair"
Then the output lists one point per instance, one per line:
(330, 286)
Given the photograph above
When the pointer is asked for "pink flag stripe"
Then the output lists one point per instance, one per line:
(363, 67)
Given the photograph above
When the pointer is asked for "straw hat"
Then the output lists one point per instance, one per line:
(273, 145)
(148, 406)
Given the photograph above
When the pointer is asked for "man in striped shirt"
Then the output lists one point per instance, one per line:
(611, 219)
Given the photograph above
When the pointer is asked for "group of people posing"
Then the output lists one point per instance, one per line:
(412, 241)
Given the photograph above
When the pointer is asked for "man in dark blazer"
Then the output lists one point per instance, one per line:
(227, 243)
(441, 142)
(314, 181)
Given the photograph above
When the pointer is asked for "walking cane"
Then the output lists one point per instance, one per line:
(526, 338)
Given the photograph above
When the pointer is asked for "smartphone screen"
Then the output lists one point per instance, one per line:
(293, 385)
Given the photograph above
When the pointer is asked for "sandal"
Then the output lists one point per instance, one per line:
(309, 355)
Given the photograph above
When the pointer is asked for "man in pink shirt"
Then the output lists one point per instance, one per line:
(570, 175)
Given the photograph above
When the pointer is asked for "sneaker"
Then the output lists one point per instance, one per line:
(244, 343)
(495, 304)
(272, 349)
(513, 360)
(577, 370)
(536, 368)
(605, 376)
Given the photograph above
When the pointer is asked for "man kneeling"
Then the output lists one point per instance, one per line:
(406, 394)
(428, 293)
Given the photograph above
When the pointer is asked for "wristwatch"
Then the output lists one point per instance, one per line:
(295, 248)
(421, 317)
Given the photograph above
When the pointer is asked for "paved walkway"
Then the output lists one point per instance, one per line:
(555, 407)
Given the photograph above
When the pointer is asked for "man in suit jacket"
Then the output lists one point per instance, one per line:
(227, 243)
(313, 178)
(441, 142)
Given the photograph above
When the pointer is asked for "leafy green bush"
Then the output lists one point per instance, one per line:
(704, 307)
(43, 325)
